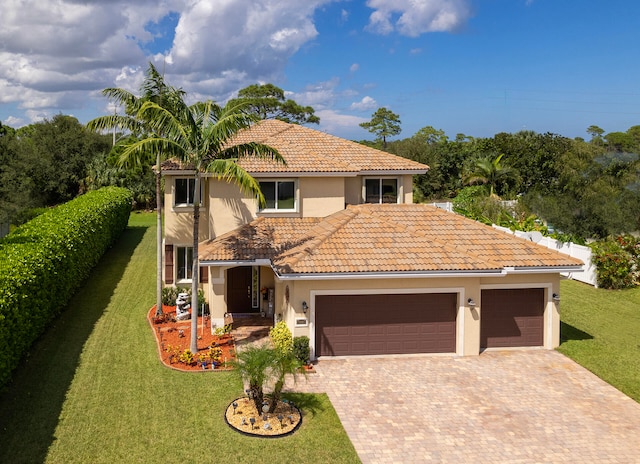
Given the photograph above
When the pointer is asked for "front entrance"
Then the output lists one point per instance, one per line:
(242, 290)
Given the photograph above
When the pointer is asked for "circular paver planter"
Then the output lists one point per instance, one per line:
(285, 420)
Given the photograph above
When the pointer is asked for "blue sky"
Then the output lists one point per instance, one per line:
(476, 67)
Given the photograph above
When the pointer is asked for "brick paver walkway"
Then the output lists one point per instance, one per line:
(531, 406)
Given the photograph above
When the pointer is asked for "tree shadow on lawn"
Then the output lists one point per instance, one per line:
(30, 405)
(306, 402)
(569, 332)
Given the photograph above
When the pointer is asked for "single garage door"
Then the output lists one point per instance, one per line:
(512, 317)
(385, 324)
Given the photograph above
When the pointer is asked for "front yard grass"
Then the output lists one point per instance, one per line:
(93, 388)
(601, 331)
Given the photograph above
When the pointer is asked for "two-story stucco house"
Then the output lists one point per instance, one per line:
(343, 256)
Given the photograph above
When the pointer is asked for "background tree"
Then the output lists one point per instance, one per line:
(55, 154)
(384, 123)
(491, 172)
(269, 102)
(596, 134)
(15, 186)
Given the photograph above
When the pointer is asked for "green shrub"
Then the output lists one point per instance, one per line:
(282, 338)
(301, 349)
(617, 262)
(170, 293)
(44, 261)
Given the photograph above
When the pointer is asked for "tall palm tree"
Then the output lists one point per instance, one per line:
(490, 172)
(154, 89)
(201, 136)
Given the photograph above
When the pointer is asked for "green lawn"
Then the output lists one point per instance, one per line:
(92, 390)
(601, 331)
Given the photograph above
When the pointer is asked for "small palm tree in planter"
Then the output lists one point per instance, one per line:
(253, 363)
(259, 364)
(285, 363)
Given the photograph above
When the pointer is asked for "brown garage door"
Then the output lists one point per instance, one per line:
(512, 317)
(385, 324)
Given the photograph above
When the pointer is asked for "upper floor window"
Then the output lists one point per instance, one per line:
(381, 191)
(185, 191)
(279, 195)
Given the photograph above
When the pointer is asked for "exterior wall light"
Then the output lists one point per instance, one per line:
(470, 302)
(556, 297)
(305, 307)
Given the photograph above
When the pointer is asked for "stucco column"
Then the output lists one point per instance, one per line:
(471, 316)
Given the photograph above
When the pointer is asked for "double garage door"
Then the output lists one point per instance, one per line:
(423, 322)
(385, 324)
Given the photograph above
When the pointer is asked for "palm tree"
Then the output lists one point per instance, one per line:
(285, 363)
(154, 89)
(490, 172)
(201, 136)
(253, 364)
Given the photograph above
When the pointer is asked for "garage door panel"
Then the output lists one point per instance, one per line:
(512, 317)
(385, 324)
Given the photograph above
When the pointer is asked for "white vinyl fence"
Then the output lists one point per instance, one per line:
(577, 251)
(588, 275)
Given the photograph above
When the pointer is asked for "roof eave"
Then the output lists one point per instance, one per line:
(543, 269)
(240, 262)
(389, 275)
(391, 172)
(288, 174)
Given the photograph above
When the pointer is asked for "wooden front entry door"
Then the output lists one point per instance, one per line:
(239, 290)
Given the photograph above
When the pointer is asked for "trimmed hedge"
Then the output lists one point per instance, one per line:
(44, 261)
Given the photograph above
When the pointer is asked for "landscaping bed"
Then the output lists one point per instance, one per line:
(215, 351)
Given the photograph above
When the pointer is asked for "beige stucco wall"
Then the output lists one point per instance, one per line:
(353, 190)
(468, 318)
(226, 208)
(229, 207)
(407, 188)
(178, 220)
(321, 196)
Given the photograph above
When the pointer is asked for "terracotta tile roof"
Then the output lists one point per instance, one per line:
(264, 238)
(311, 151)
(379, 239)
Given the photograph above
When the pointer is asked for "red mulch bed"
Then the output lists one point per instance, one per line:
(174, 337)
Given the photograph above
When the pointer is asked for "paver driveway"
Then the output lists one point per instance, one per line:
(529, 406)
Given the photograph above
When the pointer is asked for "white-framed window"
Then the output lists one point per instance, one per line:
(280, 195)
(184, 191)
(184, 264)
(381, 190)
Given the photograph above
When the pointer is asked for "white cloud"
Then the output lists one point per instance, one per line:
(339, 124)
(12, 121)
(59, 52)
(354, 67)
(366, 104)
(415, 17)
